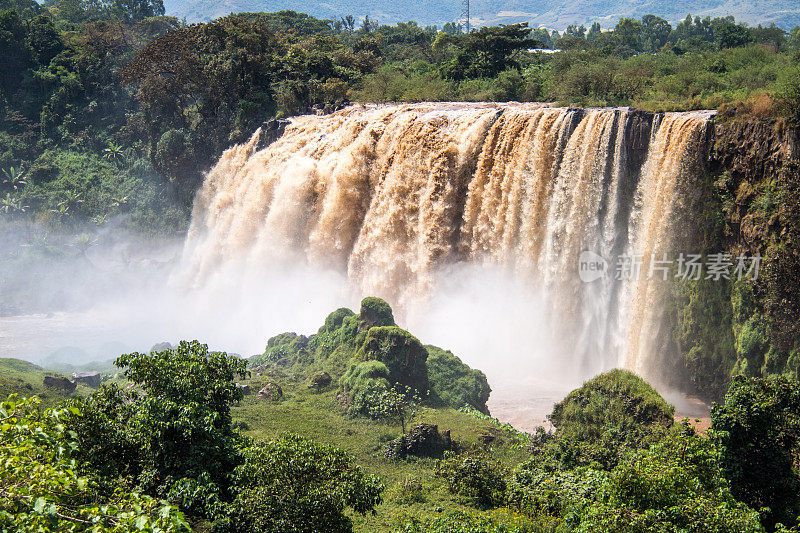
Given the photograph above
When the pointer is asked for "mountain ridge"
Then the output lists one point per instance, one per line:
(553, 15)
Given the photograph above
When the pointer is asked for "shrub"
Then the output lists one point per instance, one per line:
(408, 491)
(674, 486)
(496, 521)
(175, 425)
(610, 413)
(294, 485)
(479, 480)
(42, 490)
(759, 437)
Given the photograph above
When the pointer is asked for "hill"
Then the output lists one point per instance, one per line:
(555, 15)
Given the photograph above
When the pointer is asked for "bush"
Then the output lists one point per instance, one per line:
(176, 424)
(609, 414)
(477, 479)
(496, 521)
(42, 490)
(759, 437)
(293, 485)
(408, 491)
(674, 486)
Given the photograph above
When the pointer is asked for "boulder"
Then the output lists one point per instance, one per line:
(319, 381)
(401, 352)
(59, 383)
(271, 391)
(90, 379)
(246, 389)
(374, 312)
(422, 440)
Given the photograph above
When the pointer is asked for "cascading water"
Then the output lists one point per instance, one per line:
(395, 196)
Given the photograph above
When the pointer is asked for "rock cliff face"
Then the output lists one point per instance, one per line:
(753, 159)
(748, 204)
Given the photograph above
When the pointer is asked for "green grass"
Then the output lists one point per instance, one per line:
(320, 417)
(27, 379)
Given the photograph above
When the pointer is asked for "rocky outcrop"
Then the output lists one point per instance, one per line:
(423, 440)
(59, 383)
(271, 391)
(90, 379)
(401, 352)
(320, 381)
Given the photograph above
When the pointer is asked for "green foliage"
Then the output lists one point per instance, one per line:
(454, 384)
(42, 491)
(610, 413)
(485, 52)
(704, 331)
(175, 424)
(675, 486)
(408, 491)
(758, 434)
(460, 521)
(375, 312)
(540, 488)
(292, 484)
(476, 478)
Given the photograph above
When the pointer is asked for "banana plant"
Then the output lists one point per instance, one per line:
(14, 177)
(114, 152)
(9, 204)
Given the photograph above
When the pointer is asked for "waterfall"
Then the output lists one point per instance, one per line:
(393, 195)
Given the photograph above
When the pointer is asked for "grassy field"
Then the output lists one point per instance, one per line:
(26, 379)
(318, 415)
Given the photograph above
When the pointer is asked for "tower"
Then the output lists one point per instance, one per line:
(465, 15)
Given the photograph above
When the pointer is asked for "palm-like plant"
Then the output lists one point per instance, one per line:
(114, 152)
(14, 177)
(9, 204)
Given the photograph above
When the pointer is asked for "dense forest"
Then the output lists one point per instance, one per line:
(112, 111)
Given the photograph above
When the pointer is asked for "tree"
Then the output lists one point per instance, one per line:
(451, 28)
(487, 51)
(41, 490)
(294, 485)
(758, 431)
(728, 34)
(629, 32)
(594, 32)
(655, 33)
(176, 424)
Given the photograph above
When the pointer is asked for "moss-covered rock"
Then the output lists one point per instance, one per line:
(375, 312)
(454, 384)
(368, 352)
(617, 401)
(400, 351)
